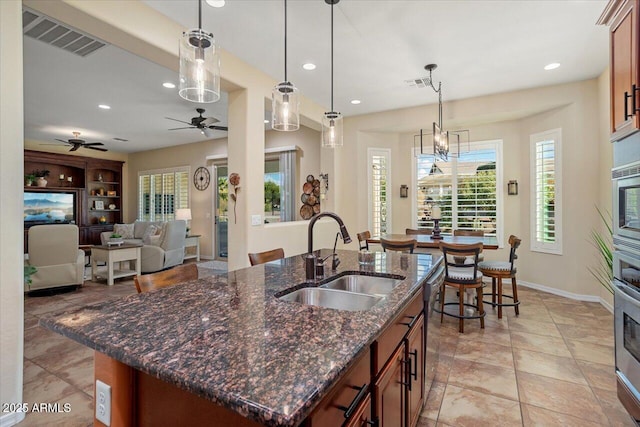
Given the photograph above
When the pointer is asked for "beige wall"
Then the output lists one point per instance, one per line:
(11, 187)
(194, 155)
(511, 117)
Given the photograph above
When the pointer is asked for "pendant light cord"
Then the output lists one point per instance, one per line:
(285, 41)
(331, 57)
(200, 14)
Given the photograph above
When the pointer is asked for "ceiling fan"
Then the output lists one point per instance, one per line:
(201, 122)
(79, 143)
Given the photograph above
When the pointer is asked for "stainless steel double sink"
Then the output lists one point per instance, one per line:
(351, 292)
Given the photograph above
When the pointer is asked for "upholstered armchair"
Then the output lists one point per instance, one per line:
(169, 251)
(53, 251)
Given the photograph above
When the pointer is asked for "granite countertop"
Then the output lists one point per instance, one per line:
(228, 339)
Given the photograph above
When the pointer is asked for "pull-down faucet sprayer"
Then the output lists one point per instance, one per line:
(311, 259)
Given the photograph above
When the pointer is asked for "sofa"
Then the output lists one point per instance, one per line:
(163, 242)
(53, 251)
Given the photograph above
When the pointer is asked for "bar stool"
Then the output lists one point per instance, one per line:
(398, 245)
(462, 276)
(499, 270)
(363, 240)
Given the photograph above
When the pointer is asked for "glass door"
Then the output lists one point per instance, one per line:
(221, 218)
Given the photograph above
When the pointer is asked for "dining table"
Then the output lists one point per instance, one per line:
(427, 241)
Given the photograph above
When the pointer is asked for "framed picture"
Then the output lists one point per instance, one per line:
(99, 205)
(111, 193)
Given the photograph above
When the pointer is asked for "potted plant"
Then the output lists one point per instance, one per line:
(29, 179)
(41, 174)
(115, 238)
(29, 270)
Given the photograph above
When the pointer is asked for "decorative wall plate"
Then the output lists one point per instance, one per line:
(201, 178)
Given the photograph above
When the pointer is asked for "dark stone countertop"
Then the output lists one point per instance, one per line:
(228, 339)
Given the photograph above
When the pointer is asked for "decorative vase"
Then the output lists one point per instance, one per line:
(41, 182)
(102, 220)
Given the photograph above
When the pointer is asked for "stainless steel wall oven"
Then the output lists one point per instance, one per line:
(626, 201)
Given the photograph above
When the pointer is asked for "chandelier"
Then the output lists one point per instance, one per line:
(444, 143)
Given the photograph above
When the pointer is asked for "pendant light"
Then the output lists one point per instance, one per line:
(285, 101)
(332, 121)
(199, 65)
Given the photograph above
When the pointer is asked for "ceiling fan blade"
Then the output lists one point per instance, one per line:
(96, 148)
(209, 121)
(92, 143)
(190, 127)
(75, 147)
(181, 121)
(222, 128)
(62, 140)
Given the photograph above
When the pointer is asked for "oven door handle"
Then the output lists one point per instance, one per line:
(626, 292)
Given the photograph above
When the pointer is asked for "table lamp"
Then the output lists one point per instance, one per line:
(184, 214)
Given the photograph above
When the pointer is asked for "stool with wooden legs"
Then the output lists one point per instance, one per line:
(462, 276)
(499, 270)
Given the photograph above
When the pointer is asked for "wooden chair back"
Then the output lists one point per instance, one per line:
(266, 256)
(514, 242)
(166, 278)
(456, 256)
(467, 232)
(363, 240)
(414, 231)
(399, 245)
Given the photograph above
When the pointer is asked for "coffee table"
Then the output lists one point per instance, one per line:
(112, 254)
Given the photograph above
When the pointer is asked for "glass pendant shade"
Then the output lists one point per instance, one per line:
(199, 67)
(332, 129)
(285, 107)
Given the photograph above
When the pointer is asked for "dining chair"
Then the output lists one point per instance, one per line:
(166, 278)
(467, 232)
(398, 245)
(266, 256)
(462, 276)
(363, 240)
(413, 231)
(499, 270)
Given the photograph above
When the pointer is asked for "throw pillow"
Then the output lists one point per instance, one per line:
(161, 232)
(125, 230)
(154, 240)
(150, 231)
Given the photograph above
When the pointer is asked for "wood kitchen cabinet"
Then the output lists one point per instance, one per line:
(389, 391)
(622, 16)
(415, 365)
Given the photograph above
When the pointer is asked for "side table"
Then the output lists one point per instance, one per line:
(111, 255)
(192, 241)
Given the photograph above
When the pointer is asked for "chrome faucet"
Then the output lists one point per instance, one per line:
(311, 259)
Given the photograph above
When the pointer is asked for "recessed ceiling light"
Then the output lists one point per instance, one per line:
(168, 85)
(215, 3)
(552, 66)
(309, 66)
(104, 106)
(355, 101)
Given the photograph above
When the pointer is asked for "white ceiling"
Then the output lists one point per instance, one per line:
(481, 47)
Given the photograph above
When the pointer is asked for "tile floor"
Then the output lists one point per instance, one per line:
(551, 366)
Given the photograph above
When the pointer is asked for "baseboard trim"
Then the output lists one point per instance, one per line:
(606, 305)
(560, 292)
(11, 419)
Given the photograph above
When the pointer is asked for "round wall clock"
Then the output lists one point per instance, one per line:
(201, 178)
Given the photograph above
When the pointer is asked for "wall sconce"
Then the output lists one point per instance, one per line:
(512, 188)
(404, 191)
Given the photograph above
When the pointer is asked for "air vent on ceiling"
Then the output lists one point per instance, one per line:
(420, 82)
(121, 139)
(48, 30)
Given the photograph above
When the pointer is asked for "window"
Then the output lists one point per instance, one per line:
(465, 188)
(546, 185)
(161, 192)
(379, 178)
(279, 185)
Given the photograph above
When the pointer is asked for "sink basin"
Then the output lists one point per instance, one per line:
(331, 298)
(370, 285)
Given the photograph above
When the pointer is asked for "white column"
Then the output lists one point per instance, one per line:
(11, 183)
(246, 158)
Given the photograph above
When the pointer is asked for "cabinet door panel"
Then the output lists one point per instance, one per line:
(390, 391)
(415, 358)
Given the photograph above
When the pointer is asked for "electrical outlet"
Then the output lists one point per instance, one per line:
(256, 219)
(103, 403)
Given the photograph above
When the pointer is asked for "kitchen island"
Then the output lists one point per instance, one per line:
(226, 350)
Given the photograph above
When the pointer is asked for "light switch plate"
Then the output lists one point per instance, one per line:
(256, 219)
(103, 403)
